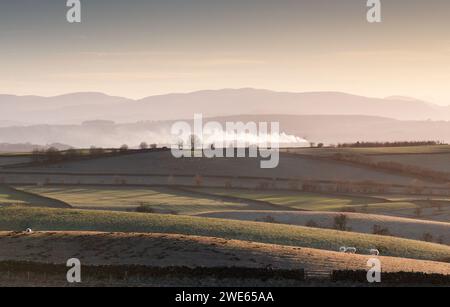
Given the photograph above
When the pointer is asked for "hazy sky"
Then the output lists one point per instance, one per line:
(137, 48)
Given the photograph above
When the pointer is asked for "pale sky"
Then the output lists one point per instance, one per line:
(137, 48)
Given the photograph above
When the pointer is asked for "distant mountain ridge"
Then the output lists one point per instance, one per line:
(80, 107)
(329, 129)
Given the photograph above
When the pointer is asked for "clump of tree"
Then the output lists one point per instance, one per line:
(143, 146)
(389, 144)
(96, 151)
(268, 219)
(428, 237)
(381, 231)
(340, 222)
(51, 155)
(145, 208)
(312, 224)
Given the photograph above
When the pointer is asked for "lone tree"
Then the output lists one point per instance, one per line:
(143, 146)
(53, 154)
(340, 222)
(124, 148)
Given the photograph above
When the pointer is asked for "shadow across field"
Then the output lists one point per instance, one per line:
(11, 196)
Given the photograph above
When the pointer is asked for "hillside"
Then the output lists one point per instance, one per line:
(162, 163)
(162, 250)
(20, 218)
(356, 222)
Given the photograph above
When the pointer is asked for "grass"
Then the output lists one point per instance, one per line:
(11, 196)
(396, 206)
(129, 198)
(39, 219)
(298, 200)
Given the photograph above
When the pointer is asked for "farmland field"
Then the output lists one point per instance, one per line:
(162, 250)
(12, 159)
(427, 208)
(298, 200)
(355, 222)
(39, 219)
(163, 200)
(11, 196)
(436, 162)
(182, 222)
(163, 163)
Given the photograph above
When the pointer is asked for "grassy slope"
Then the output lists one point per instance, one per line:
(402, 206)
(357, 222)
(161, 200)
(162, 250)
(9, 195)
(305, 201)
(18, 218)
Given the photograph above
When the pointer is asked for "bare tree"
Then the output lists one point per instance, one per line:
(143, 146)
(340, 222)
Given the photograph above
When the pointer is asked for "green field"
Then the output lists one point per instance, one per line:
(390, 205)
(11, 196)
(160, 200)
(298, 200)
(42, 219)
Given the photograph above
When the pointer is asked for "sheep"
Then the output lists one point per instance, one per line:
(29, 230)
(375, 252)
(343, 249)
(351, 250)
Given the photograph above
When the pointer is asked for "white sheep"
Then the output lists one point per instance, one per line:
(29, 230)
(375, 252)
(343, 249)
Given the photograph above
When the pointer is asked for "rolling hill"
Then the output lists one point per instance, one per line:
(78, 107)
(356, 222)
(163, 250)
(39, 219)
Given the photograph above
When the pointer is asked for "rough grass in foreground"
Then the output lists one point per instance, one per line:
(39, 219)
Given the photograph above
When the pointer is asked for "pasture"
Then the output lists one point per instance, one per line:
(427, 208)
(435, 162)
(163, 164)
(11, 196)
(414, 229)
(120, 198)
(40, 219)
(164, 250)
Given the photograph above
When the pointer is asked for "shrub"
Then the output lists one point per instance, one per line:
(312, 223)
(268, 219)
(340, 222)
(378, 230)
(428, 237)
(145, 208)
